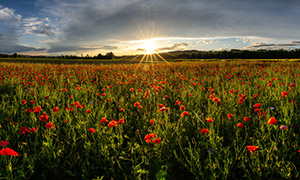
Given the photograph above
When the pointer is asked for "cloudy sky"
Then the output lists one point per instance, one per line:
(55, 27)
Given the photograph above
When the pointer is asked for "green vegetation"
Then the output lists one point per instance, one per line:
(196, 120)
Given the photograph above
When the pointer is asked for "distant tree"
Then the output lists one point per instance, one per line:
(109, 55)
(15, 55)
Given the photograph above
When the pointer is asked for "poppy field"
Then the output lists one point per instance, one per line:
(200, 120)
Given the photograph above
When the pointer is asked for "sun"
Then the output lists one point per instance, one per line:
(149, 46)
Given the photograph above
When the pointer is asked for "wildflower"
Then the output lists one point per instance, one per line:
(131, 89)
(229, 116)
(205, 131)
(121, 110)
(255, 96)
(252, 148)
(184, 113)
(32, 130)
(152, 121)
(157, 141)
(209, 120)
(103, 120)
(282, 127)
(240, 125)
(140, 107)
(182, 107)
(8, 152)
(88, 111)
(161, 105)
(32, 102)
(4, 143)
(211, 151)
(49, 125)
(136, 104)
(121, 121)
(246, 118)
(163, 109)
(92, 130)
(272, 108)
(148, 137)
(44, 117)
(272, 120)
(24, 101)
(284, 94)
(23, 130)
(177, 103)
(112, 123)
(56, 109)
(257, 105)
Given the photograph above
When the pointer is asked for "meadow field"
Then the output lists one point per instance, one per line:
(184, 120)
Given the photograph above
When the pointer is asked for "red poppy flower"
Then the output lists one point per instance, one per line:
(23, 130)
(177, 103)
(49, 125)
(44, 117)
(272, 120)
(255, 95)
(121, 109)
(256, 105)
(284, 94)
(32, 130)
(92, 130)
(112, 123)
(152, 121)
(56, 109)
(182, 107)
(161, 105)
(8, 152)
(246, 118)
(4, 143)
(252, 148)
(131, 89)
(240, 125)
(157, 141)
(88, 111)
(103, 120)
(163, 109)
(136, 104)
(24, 101)
(229, 116)
(121, 121)
(148, 137)
(210, 120)
(204, 131)
(184, 113)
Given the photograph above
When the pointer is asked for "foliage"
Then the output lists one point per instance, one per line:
(163, 121)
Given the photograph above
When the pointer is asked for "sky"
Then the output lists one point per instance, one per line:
(129, 27)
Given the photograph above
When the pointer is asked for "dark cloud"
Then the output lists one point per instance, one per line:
(266, 45)
(141, 50)
(174, 47)
(109, 47)
(58, 49)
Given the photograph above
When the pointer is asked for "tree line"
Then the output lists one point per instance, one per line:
(235, 54)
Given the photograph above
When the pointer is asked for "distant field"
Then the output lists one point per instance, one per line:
(122, 60)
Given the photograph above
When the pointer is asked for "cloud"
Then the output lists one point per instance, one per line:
(209, 41)
(273, 45)
(62, 48)
(8, 14)
(141, 50)
(174, 47)
(92, 21)
(9, 33)
(37, 26)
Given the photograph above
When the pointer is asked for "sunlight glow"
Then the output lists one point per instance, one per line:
(149, 46)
